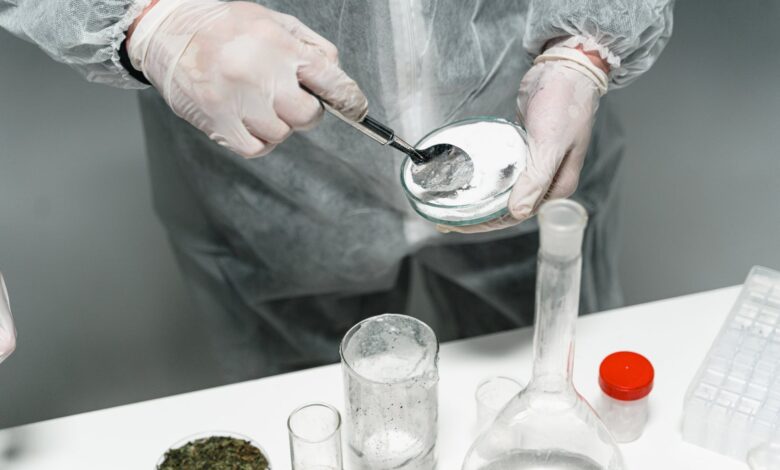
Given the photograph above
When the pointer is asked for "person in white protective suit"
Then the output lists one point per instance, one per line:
(7, 328)
(284, 253)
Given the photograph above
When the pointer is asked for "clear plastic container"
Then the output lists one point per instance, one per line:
(765, 456)
(626, 378)
(733, 402)
(499, 150)
(626, 420)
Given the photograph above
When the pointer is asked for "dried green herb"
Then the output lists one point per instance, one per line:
(215, 453)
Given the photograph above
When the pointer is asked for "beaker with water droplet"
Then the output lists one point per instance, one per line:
(390, 369)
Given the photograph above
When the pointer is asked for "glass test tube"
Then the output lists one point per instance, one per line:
(390, 378)
(315, 437)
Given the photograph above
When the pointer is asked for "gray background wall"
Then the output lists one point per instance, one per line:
(701, 184)
(103, 316)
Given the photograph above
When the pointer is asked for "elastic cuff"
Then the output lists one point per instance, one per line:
(118, 35)
(577, 60)
(591, 45)
(124, 59)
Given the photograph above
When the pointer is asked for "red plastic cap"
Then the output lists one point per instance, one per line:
(626, 376)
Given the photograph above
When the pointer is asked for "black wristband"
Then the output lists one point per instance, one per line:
(124, 59)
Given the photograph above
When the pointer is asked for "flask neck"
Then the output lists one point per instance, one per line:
(557, 305)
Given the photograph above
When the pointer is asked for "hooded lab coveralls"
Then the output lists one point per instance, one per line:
(284, 253)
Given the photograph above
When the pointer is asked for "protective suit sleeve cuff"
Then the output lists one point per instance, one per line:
(590, 45)
(118, 35)
(124, 59)
(576, 60)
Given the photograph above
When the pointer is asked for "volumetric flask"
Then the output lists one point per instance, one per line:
(549, 425)
(390, 379)
(315, 437)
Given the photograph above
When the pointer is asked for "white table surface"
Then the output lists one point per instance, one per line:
(674, 334)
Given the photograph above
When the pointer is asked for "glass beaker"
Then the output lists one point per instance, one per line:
(315, 437)
(390, 379)
(549, 425)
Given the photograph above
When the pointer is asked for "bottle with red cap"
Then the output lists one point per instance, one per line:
(626, 378)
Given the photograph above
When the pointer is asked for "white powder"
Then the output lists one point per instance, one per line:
(498, 151)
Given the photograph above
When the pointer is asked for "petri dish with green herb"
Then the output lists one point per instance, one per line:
(214, 451)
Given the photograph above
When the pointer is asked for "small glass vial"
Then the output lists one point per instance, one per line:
(626, 378)
(492, 395)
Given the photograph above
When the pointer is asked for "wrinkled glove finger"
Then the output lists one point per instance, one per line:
(308, 36)
(534, 182)
(332, 84)
(565, 181)
(234, 135)
(268, 128)
(297, 108)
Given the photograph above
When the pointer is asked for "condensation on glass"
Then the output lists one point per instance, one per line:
(390, 372)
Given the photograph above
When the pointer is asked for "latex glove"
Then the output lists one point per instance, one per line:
(7, 329)
(233, 71)
(557, 106)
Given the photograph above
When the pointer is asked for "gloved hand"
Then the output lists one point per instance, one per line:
(556, 104)
(7, 329)
(233, 71)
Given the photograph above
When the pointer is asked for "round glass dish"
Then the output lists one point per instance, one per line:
(499, 150)
(207, 434)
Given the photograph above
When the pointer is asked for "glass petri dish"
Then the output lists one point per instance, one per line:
(207, 434)
(499, 150)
